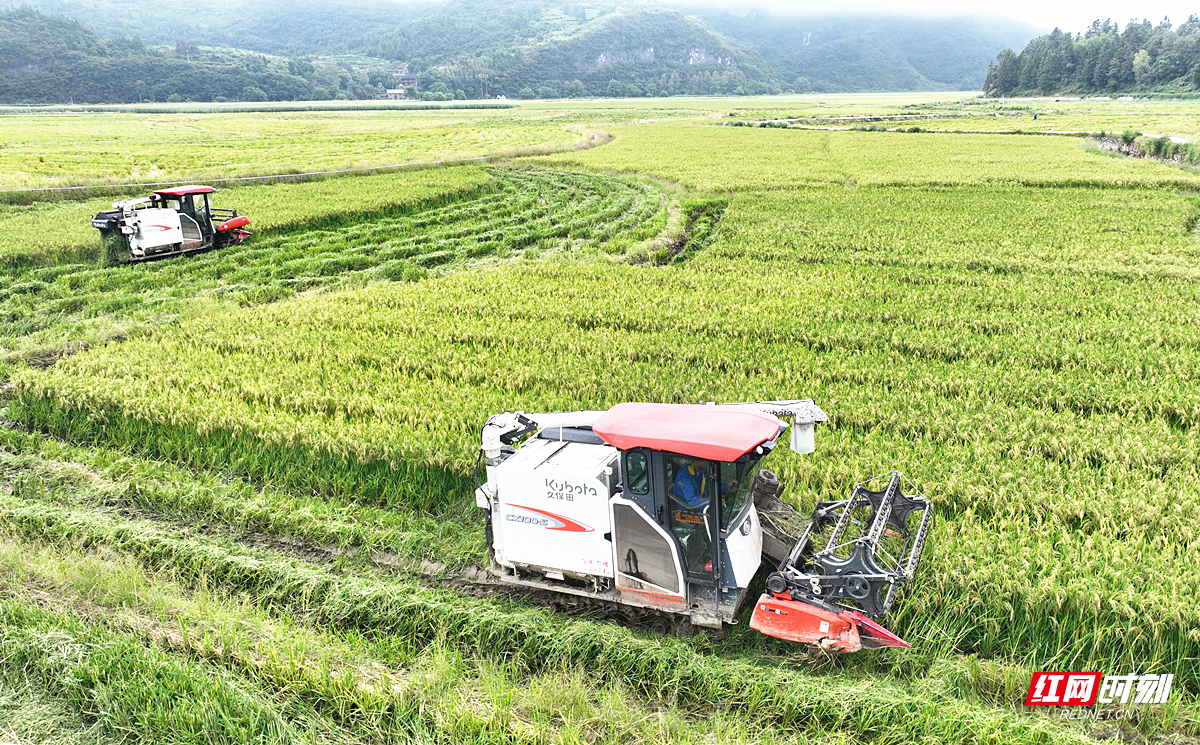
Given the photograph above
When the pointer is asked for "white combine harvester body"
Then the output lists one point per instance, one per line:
(149, 228)
(656, 506)
(553, 509)
(171, 221)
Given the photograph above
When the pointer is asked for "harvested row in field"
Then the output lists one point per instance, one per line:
(467, 216)
(527, 640)
(36, 466)
(46, 233)
(204, 651)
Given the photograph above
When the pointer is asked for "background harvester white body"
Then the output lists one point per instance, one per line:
(177, 220)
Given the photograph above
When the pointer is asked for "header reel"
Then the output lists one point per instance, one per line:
(847, 563)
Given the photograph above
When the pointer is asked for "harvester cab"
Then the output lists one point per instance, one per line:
(664, 506)
(171, 221)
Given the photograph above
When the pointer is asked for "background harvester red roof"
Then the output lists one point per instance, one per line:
(179, 191)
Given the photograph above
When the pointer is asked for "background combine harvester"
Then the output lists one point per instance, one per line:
(664, 506)
(169, 222)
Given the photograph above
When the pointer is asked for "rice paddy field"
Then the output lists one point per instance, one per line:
(236, 488)
(114, 147)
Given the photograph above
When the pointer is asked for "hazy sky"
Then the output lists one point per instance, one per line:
(1069, 15)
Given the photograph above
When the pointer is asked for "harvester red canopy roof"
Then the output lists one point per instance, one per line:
(179, 191)
(709, 432)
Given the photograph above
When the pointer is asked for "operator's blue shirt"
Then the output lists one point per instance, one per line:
(690, 485)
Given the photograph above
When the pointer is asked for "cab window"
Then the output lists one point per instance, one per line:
(199, 207)
(737, 480)
(690, 489)
(637, 472)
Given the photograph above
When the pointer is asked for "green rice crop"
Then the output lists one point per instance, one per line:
(1131, 233)
(421, 223)
(111, 148)
(711, 158)
(1041, 402)
(1010, 320)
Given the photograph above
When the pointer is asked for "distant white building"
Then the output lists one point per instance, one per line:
(404, 78)
(395, 94)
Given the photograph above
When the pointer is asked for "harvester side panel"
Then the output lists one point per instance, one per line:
(154, 228)
(552, 508)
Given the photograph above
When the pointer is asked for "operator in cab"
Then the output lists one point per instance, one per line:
(691, 483)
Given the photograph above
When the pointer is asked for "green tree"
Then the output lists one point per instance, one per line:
(1004, 75)
(1141, 69)
(253, 93)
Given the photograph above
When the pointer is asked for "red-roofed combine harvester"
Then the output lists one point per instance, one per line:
(663, 506)
(172, 221)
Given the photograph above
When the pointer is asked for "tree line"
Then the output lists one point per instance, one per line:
(50, 59)
(1144, 58)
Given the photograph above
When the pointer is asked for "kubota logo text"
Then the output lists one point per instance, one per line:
(548, 520)
(565, 491)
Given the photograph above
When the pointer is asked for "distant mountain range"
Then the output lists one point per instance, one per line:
(483, 48)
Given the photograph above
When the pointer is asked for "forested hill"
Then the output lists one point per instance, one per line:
(1144, 58)
(561, 52)
(50, 59)
(485, 48)
(873, 53)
